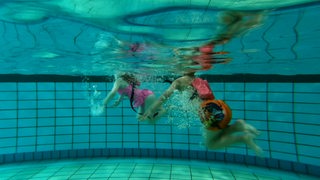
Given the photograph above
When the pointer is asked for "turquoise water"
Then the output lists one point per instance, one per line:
(58, 57)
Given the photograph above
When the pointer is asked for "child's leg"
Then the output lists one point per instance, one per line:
(222, 139)
(147, 104)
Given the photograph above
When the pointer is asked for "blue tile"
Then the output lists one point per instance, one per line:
(46, 155)
(28, 104)
(26, 132)
(63, 121)
(272, 163)
(255, 115)
(233, 96)
(27, 113)
(290, 155)
(255, 96)
(64, 112)
(136, 152)
(80, 120)
(19, 157)
(78, 138)
(46, 95)
(46, 86)
(43, 131)
(26, 141)
(168, 153)
(229, 158)
(114, 138)
(46, 121)
(144, 137)
(309, 151)
(311, 118)
(280, 107)
(258, 106)
(63, 86)
(98, 121)
(26, 149)
(8, 96)
(280, 116)
(27, 86)
(46, 104)
(286, 165)
(64, 139)
(163, 129)
(38, 156)
(261, 87)
(307, 97)
(41, 140)
(180, 138)
(64, 104)
(8, 86)
(25, 95)
(79, 112)
(280, 87)
(8, 158)
(98, 138)
(309, 129)
(49, 147)
(12, 123)
(62, 147)
(63, 130)
(280, 97)
(114, 129)
(42, 113)
(8, 105)
(280, 126)
(7, 142)
(98, 129)
(114, 112)
(307, 87)
(300, 168)
(250, 160)
(131, 137)
(130, 128)
(285, 137)
(8, 133)
(82, 103)
(234, 86)
(64, 95)
(313, 170)
(306, 108)
(163, 138)
(261, 162)
(55, 154)
(202, 155)
(83, 145)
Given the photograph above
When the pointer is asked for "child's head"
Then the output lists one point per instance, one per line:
(130, 78)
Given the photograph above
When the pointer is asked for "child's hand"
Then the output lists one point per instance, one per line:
(116, 103)
(97, 110)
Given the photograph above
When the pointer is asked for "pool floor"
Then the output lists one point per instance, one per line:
(140, 169)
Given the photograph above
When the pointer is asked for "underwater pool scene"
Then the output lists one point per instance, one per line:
(160, 89)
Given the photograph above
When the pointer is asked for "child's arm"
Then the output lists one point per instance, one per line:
(118, 101)
(112, 93)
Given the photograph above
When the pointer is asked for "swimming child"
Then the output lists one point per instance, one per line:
(215, 115)
(127, 85)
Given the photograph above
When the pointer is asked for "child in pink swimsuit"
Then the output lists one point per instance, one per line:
(126, 85)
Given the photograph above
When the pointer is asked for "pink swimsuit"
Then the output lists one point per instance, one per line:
(139, 95)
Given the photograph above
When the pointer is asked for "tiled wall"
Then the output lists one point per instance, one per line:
(48, 116)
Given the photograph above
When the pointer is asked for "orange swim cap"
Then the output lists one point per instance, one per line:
(215, 114)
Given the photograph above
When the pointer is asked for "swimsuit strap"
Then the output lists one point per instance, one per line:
(131, 98)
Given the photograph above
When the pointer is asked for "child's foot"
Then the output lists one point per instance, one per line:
(250, 143)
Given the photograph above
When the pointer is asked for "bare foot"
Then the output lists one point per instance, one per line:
(250, 143)
(251, 129)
